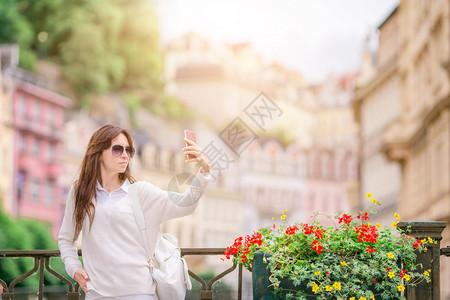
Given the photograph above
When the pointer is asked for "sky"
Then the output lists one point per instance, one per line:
(314, 37)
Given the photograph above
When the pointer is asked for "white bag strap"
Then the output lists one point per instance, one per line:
(140, 220)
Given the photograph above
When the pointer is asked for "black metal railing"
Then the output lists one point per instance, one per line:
(430, 260)
(42, 263)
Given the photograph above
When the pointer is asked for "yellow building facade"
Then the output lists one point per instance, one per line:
(417, 138)
(6, 129)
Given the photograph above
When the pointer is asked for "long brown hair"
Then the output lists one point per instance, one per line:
(85, 186)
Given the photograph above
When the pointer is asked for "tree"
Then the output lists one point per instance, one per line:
(102, 46)
(139, 46)
(84, 36)
(14, 28)
(107, 44)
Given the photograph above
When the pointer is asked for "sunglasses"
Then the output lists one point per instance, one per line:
(117, 150)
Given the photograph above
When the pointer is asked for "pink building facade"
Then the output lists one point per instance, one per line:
(38, 121)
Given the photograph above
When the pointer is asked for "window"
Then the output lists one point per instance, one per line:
(51, 115)
(22, 143)
(22, 107)
(50, 153)
(21, 179)
(35, 190)
(49, 192)
(35, 149)
(36, 111)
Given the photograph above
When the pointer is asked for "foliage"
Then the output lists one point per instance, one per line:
(85, 39)
(101, 45)
(351, 260)
(133, 103)
(14, 28)
(139, 46)
(25, 235)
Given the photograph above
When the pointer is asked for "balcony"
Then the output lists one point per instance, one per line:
(39, 129)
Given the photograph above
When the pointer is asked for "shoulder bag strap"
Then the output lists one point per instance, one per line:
(139, 216)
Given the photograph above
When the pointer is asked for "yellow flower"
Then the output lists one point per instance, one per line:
(407, 278)
(343, 263)
(352, 298)
(394, 225)
(378, 225)
(372, 297)
(283, 217)
(315, 287)
(430, 240)
(317, 273)
(337, 286)
(273, 218)
(391, 274)
(328, 288)
(362, 298)
(369, 195)
(400, 288)
(390, 255)
(423, 241)
(375, 201)
(397, 216)
(284, 211)
(427, 273)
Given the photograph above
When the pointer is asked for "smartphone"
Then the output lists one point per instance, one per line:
(190, 135)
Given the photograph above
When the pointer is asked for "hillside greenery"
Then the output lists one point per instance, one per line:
(101, 46)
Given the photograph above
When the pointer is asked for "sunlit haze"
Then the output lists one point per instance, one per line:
(315, 38)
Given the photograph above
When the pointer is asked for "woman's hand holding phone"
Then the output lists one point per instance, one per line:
(193, 152)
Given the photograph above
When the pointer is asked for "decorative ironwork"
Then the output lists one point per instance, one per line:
(42, 261)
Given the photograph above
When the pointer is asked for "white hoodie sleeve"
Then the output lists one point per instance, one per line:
(68, 248)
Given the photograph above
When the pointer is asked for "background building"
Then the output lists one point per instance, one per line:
(303, 158)
(7, 58)
(36, 121)
(404, 112)
(377, 108)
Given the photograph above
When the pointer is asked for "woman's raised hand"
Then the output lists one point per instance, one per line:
(194, 153)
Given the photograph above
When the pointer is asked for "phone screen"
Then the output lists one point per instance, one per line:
(190, 135)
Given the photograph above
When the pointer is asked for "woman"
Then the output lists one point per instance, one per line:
(98, 207)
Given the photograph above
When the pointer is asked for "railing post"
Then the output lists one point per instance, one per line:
(73, 296)
(429, 260)
(7, 296)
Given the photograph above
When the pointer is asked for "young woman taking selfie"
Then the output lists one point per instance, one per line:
(98, 207)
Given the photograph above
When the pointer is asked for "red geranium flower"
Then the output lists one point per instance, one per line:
(317, 246)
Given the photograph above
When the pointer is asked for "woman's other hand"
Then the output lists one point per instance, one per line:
(195, 154)
(81, 277)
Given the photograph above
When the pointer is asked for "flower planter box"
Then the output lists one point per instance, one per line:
(262, 289)
(352, 259)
